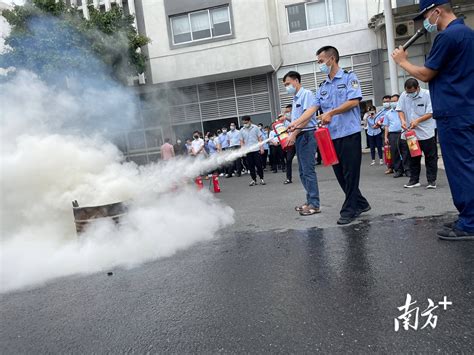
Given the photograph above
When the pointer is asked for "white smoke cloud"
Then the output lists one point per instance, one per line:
(45, 165)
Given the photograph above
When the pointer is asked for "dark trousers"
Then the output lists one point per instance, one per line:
(395, 151)
(276, 157)
(254, 161)
(236, 165)
(349, 153)
(264, 158)
(430, 151)
(404, 152)
(375, 142)
(290, 154)
(456, 137)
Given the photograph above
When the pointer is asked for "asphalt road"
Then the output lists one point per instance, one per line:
(274, 282)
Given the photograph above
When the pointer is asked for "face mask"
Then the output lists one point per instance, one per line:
(224, 131)
(287, 115)
(412, 94)
(247, 125)
(386, 105)
(325, 69)
(431, 27)
(196, 137)
(206, 139)
(232, 128)
(178, 141)
(393, 105)
(290, 89)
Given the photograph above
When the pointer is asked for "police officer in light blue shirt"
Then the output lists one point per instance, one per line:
(338, 97)
(234, 143)
(398, 148)
(449, 69)
(224, 139)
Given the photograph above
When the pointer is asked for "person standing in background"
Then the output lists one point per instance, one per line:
(414, 109)
(374, 134)
(167, 150)
(250, 135)
(393, 131)
(234, 143)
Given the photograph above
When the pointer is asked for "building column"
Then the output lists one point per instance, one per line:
(387, 11)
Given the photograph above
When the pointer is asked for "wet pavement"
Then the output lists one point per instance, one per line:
(332, 290)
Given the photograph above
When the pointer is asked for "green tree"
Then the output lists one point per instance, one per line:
(54, 40)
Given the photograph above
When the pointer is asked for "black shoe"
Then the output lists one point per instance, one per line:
(450, 225)
(358, 213)
(397, 174)
(239, 175)
(318, 163)
(228, 176)
(345, 220)
(455, 234)
(286, 182)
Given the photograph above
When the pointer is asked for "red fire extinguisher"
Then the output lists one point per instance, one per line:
(215, 183)
(413, 144)
(326, 146)
(387, 155)
(280, 129)
(199, 183)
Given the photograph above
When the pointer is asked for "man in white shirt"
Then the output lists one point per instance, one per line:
(197, 145)
(414, 109)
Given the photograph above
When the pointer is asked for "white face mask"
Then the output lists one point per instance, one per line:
(178, 141)
(224, 131)
(386, 105)
(232, 128)
(393, 105)
(247, 125)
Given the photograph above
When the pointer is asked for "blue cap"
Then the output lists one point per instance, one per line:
(426, 5)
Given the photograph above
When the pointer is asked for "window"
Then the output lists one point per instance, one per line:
(318, 13)
(199, 25)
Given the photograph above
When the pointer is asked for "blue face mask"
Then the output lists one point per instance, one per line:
(324, 68)
(290, 89)
(430, 27)
(412, 94)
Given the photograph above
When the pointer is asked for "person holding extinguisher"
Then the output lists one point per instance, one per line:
(449, 69)
(303, 122)
(414, 109)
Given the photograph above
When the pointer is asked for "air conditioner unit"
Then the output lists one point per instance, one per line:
(404, 29)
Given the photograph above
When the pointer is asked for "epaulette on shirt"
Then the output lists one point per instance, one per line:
(347, 71)
(322, 83)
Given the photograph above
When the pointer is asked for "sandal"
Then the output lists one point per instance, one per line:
(301, 208)
(309, 210)
(287, 182)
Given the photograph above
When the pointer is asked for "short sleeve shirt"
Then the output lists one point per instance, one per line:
(332, 94)
(303, 100)
(234, 137)
(452, 89)
(392, 121)
(250, 136)
(415, 108)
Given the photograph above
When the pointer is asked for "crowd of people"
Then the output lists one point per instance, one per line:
(336, 106)
(269, 157)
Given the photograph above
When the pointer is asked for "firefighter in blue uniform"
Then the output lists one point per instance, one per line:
(449, 69)
(338, 97)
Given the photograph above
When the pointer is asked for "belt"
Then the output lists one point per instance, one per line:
(301, 133)
(396, 132)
